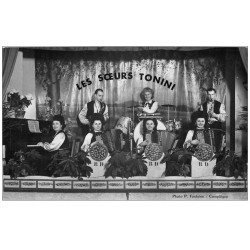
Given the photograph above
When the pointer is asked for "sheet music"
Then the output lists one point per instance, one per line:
(34, 126)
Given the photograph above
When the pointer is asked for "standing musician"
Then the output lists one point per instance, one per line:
(93, 107)
(215, 110)
(216, 115)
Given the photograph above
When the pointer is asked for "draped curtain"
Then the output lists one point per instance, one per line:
(58, 73)
(244, 56)
(8, 63)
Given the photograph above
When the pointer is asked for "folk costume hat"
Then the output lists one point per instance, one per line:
(60, 119)
(96, 117)
(199, 114)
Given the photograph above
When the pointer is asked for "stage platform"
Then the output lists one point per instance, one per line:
(135, 184)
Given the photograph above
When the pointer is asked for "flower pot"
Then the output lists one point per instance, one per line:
(20, 114)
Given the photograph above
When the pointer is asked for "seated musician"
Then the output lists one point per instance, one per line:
(60, 140)
(201, 132)
(149, 105)
(96, 133)
(150, 134)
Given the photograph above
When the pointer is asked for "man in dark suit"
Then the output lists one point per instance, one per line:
(216, 115)
(93, 107)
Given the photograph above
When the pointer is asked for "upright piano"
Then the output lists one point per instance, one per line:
(18, 133)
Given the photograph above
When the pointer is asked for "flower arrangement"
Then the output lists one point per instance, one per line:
(16, 104)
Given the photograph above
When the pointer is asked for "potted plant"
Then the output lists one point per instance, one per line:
(23, 164)
(123, 164)
(75, 166)
(178, 163)
(230, 164)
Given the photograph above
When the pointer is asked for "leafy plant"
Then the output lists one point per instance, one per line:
(17, 101)
(23, 164)
(75, 166)
(231, 165)
(178, 163)
(125, 165)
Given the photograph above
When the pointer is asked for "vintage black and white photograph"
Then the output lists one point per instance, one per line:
(125, 123)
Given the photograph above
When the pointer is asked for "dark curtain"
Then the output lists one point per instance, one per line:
(8, 63)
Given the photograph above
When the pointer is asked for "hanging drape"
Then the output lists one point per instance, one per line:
(8, 63)
(188, 74)
(244, 56)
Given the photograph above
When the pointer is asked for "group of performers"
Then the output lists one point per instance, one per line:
(209, 117)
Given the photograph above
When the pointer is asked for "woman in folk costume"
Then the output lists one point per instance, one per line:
(149, 135)
(149, 105)
(97, 134)
(60, 140)
(201, 133)
(58, 144)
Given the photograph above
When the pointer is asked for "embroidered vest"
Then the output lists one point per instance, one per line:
(216, 107)
(204, 135)
(106, 138)
(90, 106)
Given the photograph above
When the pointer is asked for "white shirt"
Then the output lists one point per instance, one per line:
(97, 107)
(56, 143)
(139, 140)
(153, 108)
(189, 138)
(87, 142)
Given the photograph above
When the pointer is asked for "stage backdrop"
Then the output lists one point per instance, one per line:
(58, 73)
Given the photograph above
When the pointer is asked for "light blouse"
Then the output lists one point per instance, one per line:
(153, 108)
(56, 143)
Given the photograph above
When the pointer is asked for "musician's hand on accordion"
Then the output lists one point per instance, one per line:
(40, 144)
(190, 143)
(194, 142)
(144, 143)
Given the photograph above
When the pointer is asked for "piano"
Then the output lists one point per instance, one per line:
(17, 134)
